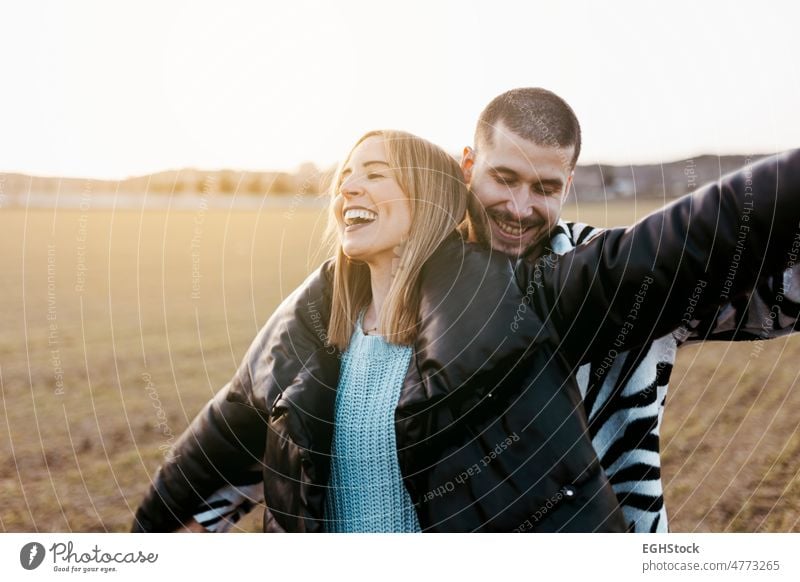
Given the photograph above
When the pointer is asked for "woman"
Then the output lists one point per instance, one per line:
(382, 238)
(459, 412)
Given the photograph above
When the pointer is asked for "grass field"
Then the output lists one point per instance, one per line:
(116, 326)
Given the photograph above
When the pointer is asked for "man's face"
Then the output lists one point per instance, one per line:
(522, 186)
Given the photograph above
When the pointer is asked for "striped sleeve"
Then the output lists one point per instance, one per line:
(226, 506)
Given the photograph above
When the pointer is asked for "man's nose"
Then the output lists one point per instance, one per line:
(520, 204)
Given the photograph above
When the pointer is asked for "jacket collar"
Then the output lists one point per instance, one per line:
(469, 298)
(470, 303)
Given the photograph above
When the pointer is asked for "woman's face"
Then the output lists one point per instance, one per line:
(373, 212)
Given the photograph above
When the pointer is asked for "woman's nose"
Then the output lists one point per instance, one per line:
(350, 187)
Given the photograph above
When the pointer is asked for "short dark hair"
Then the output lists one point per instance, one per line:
(535, 114)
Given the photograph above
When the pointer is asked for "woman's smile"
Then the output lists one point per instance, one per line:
(357, 217)
(369, 196)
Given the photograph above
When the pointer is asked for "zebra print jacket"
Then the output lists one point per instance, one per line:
(623, 396)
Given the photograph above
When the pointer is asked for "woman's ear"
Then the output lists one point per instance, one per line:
(467, 163)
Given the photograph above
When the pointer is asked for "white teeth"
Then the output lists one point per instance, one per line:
(508, 229)
(359, 216)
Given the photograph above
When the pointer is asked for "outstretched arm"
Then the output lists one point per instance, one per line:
(770, 310)
(226, 440)
(218, 448)
(627, 286)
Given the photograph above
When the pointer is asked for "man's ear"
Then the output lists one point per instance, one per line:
(568, 186)
(467, 163)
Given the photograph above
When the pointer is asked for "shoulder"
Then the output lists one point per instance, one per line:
(457, 260)
(293, 340)
(567, 235)
(462, 280)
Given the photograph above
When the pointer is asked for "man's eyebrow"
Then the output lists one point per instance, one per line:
(551, 182)
(507, 170)
(502, 170)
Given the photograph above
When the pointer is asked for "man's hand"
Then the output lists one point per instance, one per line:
(191, 526)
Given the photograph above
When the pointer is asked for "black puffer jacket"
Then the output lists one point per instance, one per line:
(491, 434)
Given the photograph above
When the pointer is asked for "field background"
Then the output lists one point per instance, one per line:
(80, 459)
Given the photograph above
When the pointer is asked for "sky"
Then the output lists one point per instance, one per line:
(110, 89)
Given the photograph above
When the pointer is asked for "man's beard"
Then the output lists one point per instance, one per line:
(480, 230)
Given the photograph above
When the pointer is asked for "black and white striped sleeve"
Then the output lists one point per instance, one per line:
(226, 506)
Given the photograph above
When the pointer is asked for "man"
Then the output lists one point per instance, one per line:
(527, 143)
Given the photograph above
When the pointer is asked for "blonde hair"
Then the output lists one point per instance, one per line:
(434, 184)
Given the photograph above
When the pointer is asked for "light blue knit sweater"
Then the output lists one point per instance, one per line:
(366, 491)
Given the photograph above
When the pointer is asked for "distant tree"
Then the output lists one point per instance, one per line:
(256, 185)
(227, 182)
(282, 183)
(207, 184)
(313, 180)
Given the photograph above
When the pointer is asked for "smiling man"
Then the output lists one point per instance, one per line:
(520, 167)
(527, 142)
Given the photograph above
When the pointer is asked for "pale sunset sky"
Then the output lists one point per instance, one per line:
(108, 90)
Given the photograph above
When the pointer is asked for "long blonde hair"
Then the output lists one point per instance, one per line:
(434, 184)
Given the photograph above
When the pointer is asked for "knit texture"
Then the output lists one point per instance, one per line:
(366, 491)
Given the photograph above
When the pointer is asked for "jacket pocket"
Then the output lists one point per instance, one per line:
(563, 496)
(286, 468)
(286, 427)
(586, 506)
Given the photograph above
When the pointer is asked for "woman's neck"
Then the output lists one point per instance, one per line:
(380, 275)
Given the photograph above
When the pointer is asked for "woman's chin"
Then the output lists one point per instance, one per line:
(370, 256)
(355, 252)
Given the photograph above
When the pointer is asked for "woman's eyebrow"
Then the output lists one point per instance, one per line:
(347, 171)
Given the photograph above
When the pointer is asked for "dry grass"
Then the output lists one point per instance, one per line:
(80, 460)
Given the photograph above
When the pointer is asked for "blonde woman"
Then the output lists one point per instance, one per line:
(420, 382)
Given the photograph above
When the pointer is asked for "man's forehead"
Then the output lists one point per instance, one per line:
(509, 150)
(544, 163)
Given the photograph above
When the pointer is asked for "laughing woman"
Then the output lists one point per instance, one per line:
(420, 382)
(384, 237)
